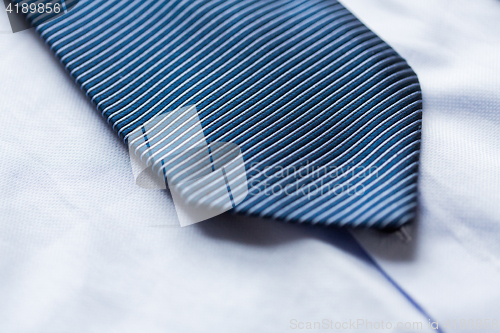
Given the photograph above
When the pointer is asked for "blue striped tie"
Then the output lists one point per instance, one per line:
(326, 114)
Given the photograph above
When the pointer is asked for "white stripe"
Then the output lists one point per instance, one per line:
(343, 222)
(296, 65)
(85, 9)
(240, 177)
(178, 37)
(70, 26)
(367, 147)
(366, 209)
(341, 201)
(285, 106)
(298, 56)
(318, 93)
(124, 49)
(330, 163)
(137, 48)
(83, 55)
(405, 218)
(383, 204)
(234, 78)
(199, 92)
(395, 216)
(342, 196)
(332, 115)
(133, 141)
(236, 67)
(179, 76)
(109, 30)
(357, 120)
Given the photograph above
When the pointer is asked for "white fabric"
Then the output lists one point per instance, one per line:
(451, 265)
(83, 249)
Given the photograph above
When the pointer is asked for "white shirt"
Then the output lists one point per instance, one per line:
(83, 249)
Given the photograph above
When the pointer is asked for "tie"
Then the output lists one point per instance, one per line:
(326, 114)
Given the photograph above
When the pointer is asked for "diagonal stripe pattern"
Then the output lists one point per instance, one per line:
(326, 114)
